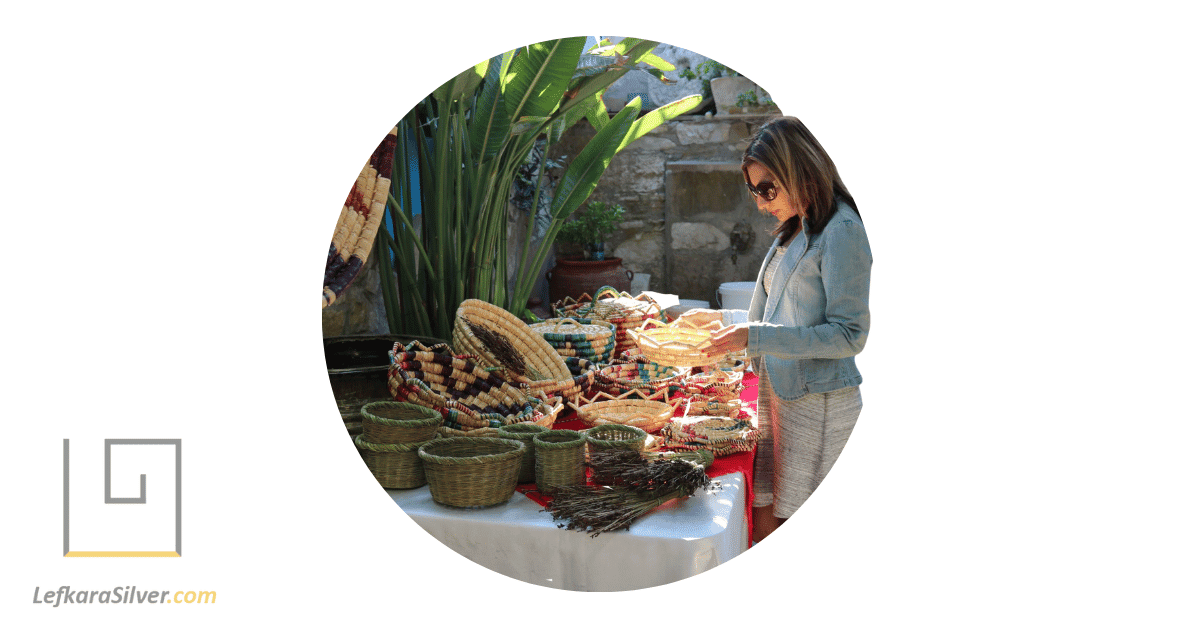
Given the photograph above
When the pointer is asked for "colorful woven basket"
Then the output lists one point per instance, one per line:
(648, 377)
(720, 435)
(472, 472)
(619, 308)
(585, 338)
(467, 396)
(503, 341)
(393, 465)
(359, 221)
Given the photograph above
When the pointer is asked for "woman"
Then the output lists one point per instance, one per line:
(808, 318)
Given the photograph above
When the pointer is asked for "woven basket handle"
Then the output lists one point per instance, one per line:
(566, 321)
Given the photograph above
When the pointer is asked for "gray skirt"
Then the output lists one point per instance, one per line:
(798, 443)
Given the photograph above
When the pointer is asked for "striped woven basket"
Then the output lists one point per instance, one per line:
(585, 338)
(648, 377)
(503, 341)
(359, 221)
(619, 308)
(468, 396)
(720, 435)
(718, 385)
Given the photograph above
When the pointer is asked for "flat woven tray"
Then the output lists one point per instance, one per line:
(680, 343)
(643, 412)
(503, 341)
(472, 472)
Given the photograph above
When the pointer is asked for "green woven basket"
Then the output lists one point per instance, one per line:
(524, 432)
(610, 436)
(559, 459)
(469, 472)
(393, 465)
(399, 422)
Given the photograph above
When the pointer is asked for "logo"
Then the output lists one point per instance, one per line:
(124, 517)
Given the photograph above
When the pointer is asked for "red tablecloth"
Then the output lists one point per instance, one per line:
(742, 462)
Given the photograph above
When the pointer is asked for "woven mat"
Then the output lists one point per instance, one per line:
(359, 221)
(740, 462)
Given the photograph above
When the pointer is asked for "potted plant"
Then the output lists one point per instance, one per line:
(585, 274)
(597, 221)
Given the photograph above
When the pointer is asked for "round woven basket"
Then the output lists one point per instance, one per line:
(472, 472)
(393, 465)
(680, 343)
(715, 385)
(648, 377)
(642, 412)
(559, 456)
(619, 308)
(592, 339)
(503, 341)
(399, 422)
(524, 432)
(610, 437)
(720, 435)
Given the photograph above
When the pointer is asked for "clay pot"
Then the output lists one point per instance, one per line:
(574, 277)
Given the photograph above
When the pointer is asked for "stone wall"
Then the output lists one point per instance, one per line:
(689, 223)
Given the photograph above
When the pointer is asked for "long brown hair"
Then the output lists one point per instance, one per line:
(788, 150)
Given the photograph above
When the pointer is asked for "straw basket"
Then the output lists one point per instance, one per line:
(523, 432)
(399, 422)
(648, 377)
(623, 311)
(559, 456)
(612, 436)
(680, 343)
(393, 465)
(643, 412)
(717, 385)
(720, 435)
(585, 338)
(472, 472)
(503, 341)
(467, 396)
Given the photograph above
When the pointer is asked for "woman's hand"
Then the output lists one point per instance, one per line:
(728, 340)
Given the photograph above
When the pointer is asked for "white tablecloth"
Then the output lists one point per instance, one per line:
(679, 539)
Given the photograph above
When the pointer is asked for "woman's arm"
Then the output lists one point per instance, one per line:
(846, 276)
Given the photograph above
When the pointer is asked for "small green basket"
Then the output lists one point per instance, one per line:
(472, 471)
(394, 465)
(386, 422)
(559, 459)
(524, 432)
(611, 436)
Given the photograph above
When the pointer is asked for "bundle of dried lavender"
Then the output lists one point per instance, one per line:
(641, 486)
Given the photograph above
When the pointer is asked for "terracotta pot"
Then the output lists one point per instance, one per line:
(574, 277)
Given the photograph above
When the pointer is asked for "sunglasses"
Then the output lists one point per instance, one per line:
(766, 190)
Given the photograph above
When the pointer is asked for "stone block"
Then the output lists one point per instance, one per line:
(698, 236)
(703, 133)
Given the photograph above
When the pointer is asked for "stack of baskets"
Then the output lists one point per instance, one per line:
(503, 341)
(593, 340)
(472, 400)
(470, 472)
(619, 308)
(392, 434)
(720, 435)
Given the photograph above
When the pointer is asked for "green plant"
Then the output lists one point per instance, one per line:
(470, 138)
(749, 98)
(706, 71)
(595, 223)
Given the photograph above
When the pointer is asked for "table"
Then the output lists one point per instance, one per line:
(677, 540)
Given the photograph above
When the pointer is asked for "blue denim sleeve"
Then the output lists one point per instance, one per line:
(846, 276)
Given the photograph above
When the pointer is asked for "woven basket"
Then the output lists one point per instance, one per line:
(524, 432)
(559, 459)
(648, 377)
(619, 308)
(472, 472)
(393, 465)
(467, 396)
(359, 221)
(680, 343)
(522, 354)
(720, 435)
(716, 385)
(644, 413)
(609, 437)
(595, 340)
(399, 422)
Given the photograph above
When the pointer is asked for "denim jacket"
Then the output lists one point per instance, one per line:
(807, 332)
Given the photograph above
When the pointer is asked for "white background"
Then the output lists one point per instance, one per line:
(172, 175)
